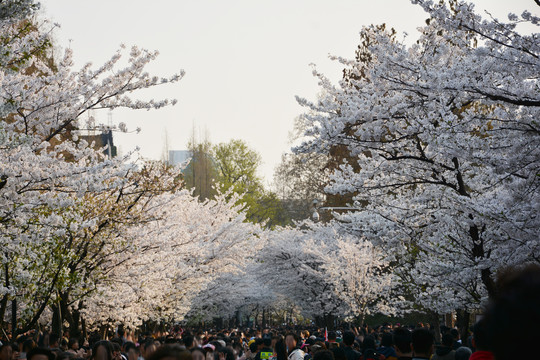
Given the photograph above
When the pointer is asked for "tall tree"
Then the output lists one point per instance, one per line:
(46, 171)
(358, 272)
(172, 258)
(299, 274)
(300, 178)
(237, 166)
(445, 148)
(200, 174)
(236, 172)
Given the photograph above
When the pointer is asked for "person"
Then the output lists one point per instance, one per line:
(170, 352)
(197, 354)
(463, 353)
(27, 345)
(280, 349)
(304, 335)
(122, 335)
(102, 350)
(402, 343)
(456, 338)
(386, 349)
(54, 343)
(332, 340)
(209, 351)
(348, 342)
(422, 343)
(63, 345)
(225, 353)
(189, 341)
(131, 350)
(446, 350)
(148, 347)
(14, 352)
(38, 353)
(339, 353)
(513, 316)
(293, 350)
(43, 339)
(251, 350)
(480, 342)
(6, 351)
(265, 351)
(323, 355)
(117, 350)
(73, 345)
(368, 349)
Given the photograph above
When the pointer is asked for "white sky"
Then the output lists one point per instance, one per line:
(245, 60)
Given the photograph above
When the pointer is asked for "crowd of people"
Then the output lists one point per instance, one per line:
(508, 330)
(390, 342)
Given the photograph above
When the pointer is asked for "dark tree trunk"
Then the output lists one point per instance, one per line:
(57, 320)
(83, 326)
(478, 251)
(238, 318)
(14, 319)
(3, 307)
(449, 320)
(74, 324)
(436, 323)
(4, 301)
(218, 322)
(463, 322)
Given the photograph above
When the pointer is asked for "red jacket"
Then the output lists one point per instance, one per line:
(481, 355)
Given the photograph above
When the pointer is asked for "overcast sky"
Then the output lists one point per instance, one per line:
(245, 60)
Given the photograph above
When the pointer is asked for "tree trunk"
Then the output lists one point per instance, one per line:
(436, 322)
(478, 251)
(361, 319)
(237, 318)
(463, 321)
(74, 323)
(71, 316)
(14, 319)
(449, 320)
(83, 326)
(56, 320)
(218, 322)
(3, 307)
(4, 301)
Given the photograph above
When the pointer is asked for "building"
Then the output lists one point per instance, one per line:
(179, 157)
(102, 141)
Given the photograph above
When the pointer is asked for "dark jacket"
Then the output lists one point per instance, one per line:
(444, 353)
(351, 354)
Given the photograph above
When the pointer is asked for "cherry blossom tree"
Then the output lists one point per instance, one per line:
(443, 145)
(360, 277)
(188, 246)
(47, 170)
(298, 273)
(234, 295)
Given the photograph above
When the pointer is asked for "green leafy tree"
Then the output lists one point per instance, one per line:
(236, 166)
(236, 172)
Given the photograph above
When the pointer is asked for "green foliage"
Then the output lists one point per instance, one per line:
(236, 166)
(236, 172)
